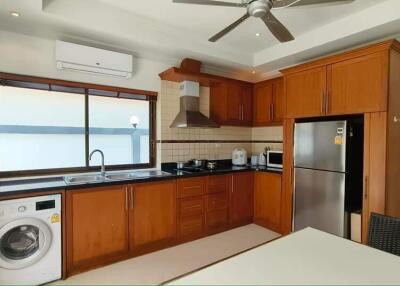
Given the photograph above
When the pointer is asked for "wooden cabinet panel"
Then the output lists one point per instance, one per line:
(247, 104)
(192, 206)
(305, 93)
(267, 200)
(358, 85)
(190, 227)
(231, 103)
(217, 183)
(241, 198)
(97, 226)
(216, 201)
(374, 167)
(234, 103)
(263, 99)
(189, 187)
(216, 220)
(152, 213)
(277, 109)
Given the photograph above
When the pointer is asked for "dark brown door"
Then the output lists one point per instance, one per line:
(241, 198)
(152, 214)
(358, 85)
(305, 93)
(97, 226)
(234, 102)
(246, 104)
(277, 107)
(263, 97)
(267, 200)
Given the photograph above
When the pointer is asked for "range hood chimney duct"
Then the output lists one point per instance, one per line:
(189, 115)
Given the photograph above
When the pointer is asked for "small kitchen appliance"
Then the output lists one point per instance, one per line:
(262, 161)
(239, 157)
(274, 159)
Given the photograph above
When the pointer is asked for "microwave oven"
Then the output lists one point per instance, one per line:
(274, 159)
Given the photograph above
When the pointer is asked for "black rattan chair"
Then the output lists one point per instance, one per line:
(384, 233)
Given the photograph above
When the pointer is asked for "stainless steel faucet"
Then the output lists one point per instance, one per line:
(103, 168)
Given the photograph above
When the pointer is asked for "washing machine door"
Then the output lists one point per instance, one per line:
(23, 242)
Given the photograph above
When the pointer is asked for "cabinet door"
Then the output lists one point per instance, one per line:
(358, 85)
(247, 104)
(305, 92)
(262, 99)
(277, 107)
(267, 200)
(234, 102)
(241, 198)
(97, 226)
(152, 214)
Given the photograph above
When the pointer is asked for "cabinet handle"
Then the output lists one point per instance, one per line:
(126, 198)
(366, 187)
(132, 198)
(273, 111)
(242, 107)
(322, 102)
(327, 103)
(232, 184)
(240, 112)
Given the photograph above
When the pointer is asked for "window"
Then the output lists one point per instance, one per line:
(111, 131)
(51, 128)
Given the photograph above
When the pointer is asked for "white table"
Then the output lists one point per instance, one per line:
(305, 257)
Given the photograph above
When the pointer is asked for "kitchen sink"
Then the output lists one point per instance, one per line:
(83, 179)
(120, 176)
(96, 178)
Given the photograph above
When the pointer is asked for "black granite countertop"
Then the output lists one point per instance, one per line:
(56, 183)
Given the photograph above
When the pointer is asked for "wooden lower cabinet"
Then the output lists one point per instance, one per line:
(107, 224)
(96, 226)
(152, 215)
(241, 198)
(267, 200)
(190, 218)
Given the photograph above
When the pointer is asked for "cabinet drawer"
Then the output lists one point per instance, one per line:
(191, 187)
(216, 219)
(217, 184)
(216, 201)
(190, 226)
(191, 206)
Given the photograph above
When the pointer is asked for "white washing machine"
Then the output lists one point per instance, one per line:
(30, 240)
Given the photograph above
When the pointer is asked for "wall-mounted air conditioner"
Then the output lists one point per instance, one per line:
(75, 57)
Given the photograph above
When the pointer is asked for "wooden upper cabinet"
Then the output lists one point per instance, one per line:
(305, 93)
(358, 85)
(268, 102)
(267, 200)
(152, 215)
(262, 100)
(234, 102)
(97, 226)
(231, 103)
(241, 198)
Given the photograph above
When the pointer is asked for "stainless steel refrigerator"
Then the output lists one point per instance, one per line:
(328, 158)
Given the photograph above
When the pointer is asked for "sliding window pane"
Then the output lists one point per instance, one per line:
(41, 129)
(111, 130)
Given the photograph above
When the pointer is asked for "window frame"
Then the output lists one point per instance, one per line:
(32, 82)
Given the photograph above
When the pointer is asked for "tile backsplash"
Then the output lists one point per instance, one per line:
(180, 144)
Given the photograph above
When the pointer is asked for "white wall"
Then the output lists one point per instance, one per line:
(29, 55)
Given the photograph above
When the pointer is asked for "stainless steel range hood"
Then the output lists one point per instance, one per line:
(189, 115)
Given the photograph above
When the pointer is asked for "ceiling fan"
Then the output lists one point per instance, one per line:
(260, 9)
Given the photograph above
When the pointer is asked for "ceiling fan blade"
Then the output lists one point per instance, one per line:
(210, 2)
(229, 28)
(277, 28)
(296, 3)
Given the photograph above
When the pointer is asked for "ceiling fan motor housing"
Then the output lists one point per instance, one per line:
(259, 8)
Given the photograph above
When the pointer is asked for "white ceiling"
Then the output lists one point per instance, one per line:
(165, 30)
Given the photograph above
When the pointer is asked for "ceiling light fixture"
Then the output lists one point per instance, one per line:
(253, 72)
(14, 14)
(258, 34)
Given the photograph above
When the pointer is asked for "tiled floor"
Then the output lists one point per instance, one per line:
(164, 265)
